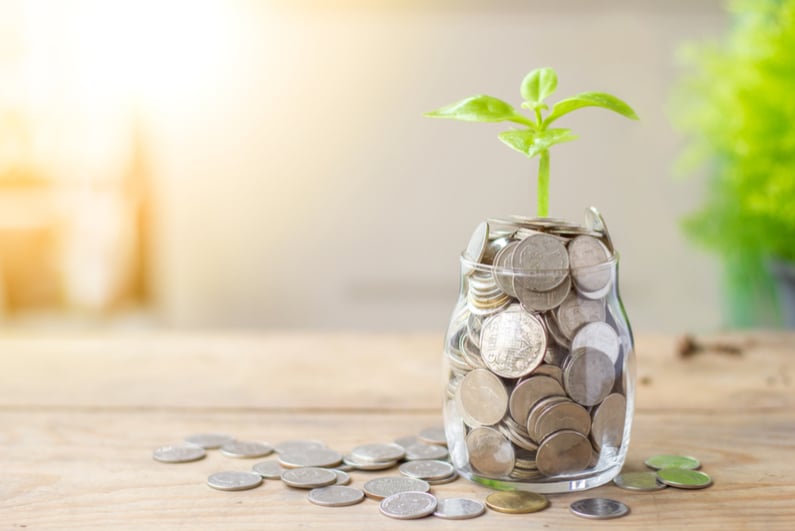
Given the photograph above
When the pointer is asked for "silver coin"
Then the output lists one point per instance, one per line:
(563, 415)
(512, 342)
(309, 477)
(607, 428)
(234, 480)
(563, 452)
(246, 449)
(378, 453)
(459, 508)
(343, 478)
(642, 481)
(434, 435)
(588, 259)
(576, 311)
(543, 260)
(598, 508)
(490, 452)
(408, 440)
(380, 488)
(426, 469)
(298, 445)
(482, 398)
(209, 441)
(589, 376)
(335, 496)
(503, 270)
(541, 301)
(317, 457)
(349, 460)
(529, 392)
(408, 505)
(268, 469)
(442, 481)
(598, 335)
(477, 243)
(425, 451)
(178, 454)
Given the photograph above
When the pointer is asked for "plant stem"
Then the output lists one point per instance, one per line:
(543, 184)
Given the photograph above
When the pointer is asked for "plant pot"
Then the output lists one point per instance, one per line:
(539, 358)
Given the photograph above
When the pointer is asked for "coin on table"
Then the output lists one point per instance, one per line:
(268, 469)
(335, 496)
(246, 449)
(433, 435)
(529, 392)
(459, 509)
(490, 452)
(644, 481)
(563, 452)
(661, 461)
(318, 457)
(380, 488)
(209, 441)
(443, 481)
(512, 342)
(425, 451)
(543, 260)
(309, 477)
(427, 469)
(598, 335)
(234, 480)
(178, 454)
(482, 398)
(576, 311)
(598, 508)
(343, 478)
(378, 453)
(516, 502)
(408, 505)
(588, 376)
(682, 478)
(607, 428)
(297, 445)
(349, 460)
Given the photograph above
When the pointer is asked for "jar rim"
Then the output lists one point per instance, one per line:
(607, 265)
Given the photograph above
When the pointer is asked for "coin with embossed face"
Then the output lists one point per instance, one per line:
(459, 508)
(309, 477)
(598, 508)
(380, 488)
(576, 311)
(335, 496)
(408, 505)
(598, 335)
(178, 454)
(234, 480)
(543, 261)
(512, 342)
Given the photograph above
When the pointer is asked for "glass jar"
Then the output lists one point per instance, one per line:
(539, 358)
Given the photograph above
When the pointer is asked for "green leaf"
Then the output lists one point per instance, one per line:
(539, 84)
(590, 99)
(532, 143)
(477, 109)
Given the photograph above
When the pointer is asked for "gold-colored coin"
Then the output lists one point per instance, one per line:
(516, 502)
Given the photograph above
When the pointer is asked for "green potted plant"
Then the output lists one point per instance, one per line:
(734, 104)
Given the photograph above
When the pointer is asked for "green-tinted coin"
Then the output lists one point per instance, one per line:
(658, 462)
(684, 479)
(638, 481)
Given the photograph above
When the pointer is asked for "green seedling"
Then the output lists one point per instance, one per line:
(535, 139)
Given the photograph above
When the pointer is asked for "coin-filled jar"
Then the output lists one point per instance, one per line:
(539, 357)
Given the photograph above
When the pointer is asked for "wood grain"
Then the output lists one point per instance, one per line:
(79, 418)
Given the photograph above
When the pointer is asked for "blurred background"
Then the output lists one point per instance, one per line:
(265, 164)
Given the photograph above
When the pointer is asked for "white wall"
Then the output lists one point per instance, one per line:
(297, 184)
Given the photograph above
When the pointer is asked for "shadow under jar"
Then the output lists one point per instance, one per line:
(539, 358)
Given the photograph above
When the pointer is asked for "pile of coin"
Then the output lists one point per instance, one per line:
(678, 471)
(309, 464)
(536, 351)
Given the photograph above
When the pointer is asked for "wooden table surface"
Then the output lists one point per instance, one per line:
(80, 416)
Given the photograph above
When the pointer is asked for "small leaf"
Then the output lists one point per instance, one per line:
(476, 109)
(532, 143)
(539, 84)
(590, 99)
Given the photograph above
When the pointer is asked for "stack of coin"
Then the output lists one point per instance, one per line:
(536, 350)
